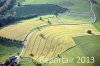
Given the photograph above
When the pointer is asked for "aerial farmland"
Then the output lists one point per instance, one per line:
(49, 32)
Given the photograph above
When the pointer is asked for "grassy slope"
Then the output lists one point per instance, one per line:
(97, 11)
(71, 4)
(90, 46)
(26, 62)
(8, 49)
(63, 3)
(82, 11)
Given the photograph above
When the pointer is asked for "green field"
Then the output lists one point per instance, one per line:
(79, 12)
(27, 62)
(8, 49)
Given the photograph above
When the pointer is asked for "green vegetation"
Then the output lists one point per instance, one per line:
(79, 12)
(97, 11)
(26, 62)
(38, 9)
(90, 46)
(8, 49)
(64, 3)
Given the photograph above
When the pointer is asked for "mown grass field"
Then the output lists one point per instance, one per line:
(61, 36)
(20, 30)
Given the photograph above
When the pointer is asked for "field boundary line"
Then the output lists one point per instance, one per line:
(24, 43)
(94, 16)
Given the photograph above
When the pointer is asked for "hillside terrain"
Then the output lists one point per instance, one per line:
(61, 29)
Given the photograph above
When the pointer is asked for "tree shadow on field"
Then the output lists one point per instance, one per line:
(38, 9)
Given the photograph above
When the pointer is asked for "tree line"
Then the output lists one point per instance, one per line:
(10, 40)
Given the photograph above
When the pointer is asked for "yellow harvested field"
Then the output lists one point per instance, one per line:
(20, 30)
(57, 40)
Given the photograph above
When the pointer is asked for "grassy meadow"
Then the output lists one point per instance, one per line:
(8, 49)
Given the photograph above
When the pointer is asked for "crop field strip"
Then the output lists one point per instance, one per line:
(56, 50)
(52, 47)
(20, 31)
(36, 47)
(43, 48)
(35, 39)
(56, 42)
(9, 32)
(29, 45)
(44, 43)
(53, 55)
